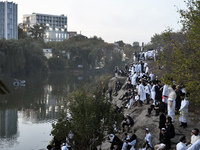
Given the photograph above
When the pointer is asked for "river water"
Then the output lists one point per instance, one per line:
(27, 112)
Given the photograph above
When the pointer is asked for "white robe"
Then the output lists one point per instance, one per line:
(165, 91)
(171, 103)
(147, 70)
(151, 75)
(153, 93)
(145, 55)
(136, 68)
(141, 92)
(184, 111)
(132, 70)
(139, 68)
(133, 79)
(145, 64)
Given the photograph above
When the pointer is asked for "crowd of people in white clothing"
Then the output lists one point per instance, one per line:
(143, 87)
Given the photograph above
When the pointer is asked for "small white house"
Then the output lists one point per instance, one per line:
(47, 53)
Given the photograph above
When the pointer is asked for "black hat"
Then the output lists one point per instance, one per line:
(169, 119)
(182, 94)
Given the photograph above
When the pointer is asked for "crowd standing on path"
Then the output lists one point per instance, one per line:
(142, 88)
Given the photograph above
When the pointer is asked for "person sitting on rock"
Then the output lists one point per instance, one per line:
(147, 139)
(128, 121)
(132, 142)
(170, 131)
(181, 145)
(159, 106)
(164, 141)
(128, 84)
(114, 140)
(117, 86)
(194, 137)
(195, 146)
(151, 107)
(126, 94)
(162, 119)
(126, 136)
(129, 102)
(136, 99)
(125, 145)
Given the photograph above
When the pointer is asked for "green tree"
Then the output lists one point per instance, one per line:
(121, 43)
(183, 64)
(89, 118)
(37, 31)
(21, 34)
(136, 46)
(128, 50)
(57, 64)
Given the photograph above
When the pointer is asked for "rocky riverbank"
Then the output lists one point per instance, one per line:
(138, 113)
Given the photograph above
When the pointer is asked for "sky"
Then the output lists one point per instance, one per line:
(111, 20)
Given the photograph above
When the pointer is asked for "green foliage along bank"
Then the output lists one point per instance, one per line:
(86, 121)
(26, 56)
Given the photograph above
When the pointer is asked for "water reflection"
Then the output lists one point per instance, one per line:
(8, 122)
(30, 109)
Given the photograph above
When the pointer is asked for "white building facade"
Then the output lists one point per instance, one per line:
(56, 26)
(8, 20)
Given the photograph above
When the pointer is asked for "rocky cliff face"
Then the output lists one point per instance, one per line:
(138, 113)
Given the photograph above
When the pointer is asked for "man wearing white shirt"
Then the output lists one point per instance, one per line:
(141, 93)
(181, 145)
(183, 111)
(194, 137)
(147, 138)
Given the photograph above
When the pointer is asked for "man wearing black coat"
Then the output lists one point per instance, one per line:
(162, 120)
(128, 121)
(115, 141)
(159, 106)
(158, 91)
(170, 131)
(164, 140)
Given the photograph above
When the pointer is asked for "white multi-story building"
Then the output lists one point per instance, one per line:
(8, 20)
(56, 26)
